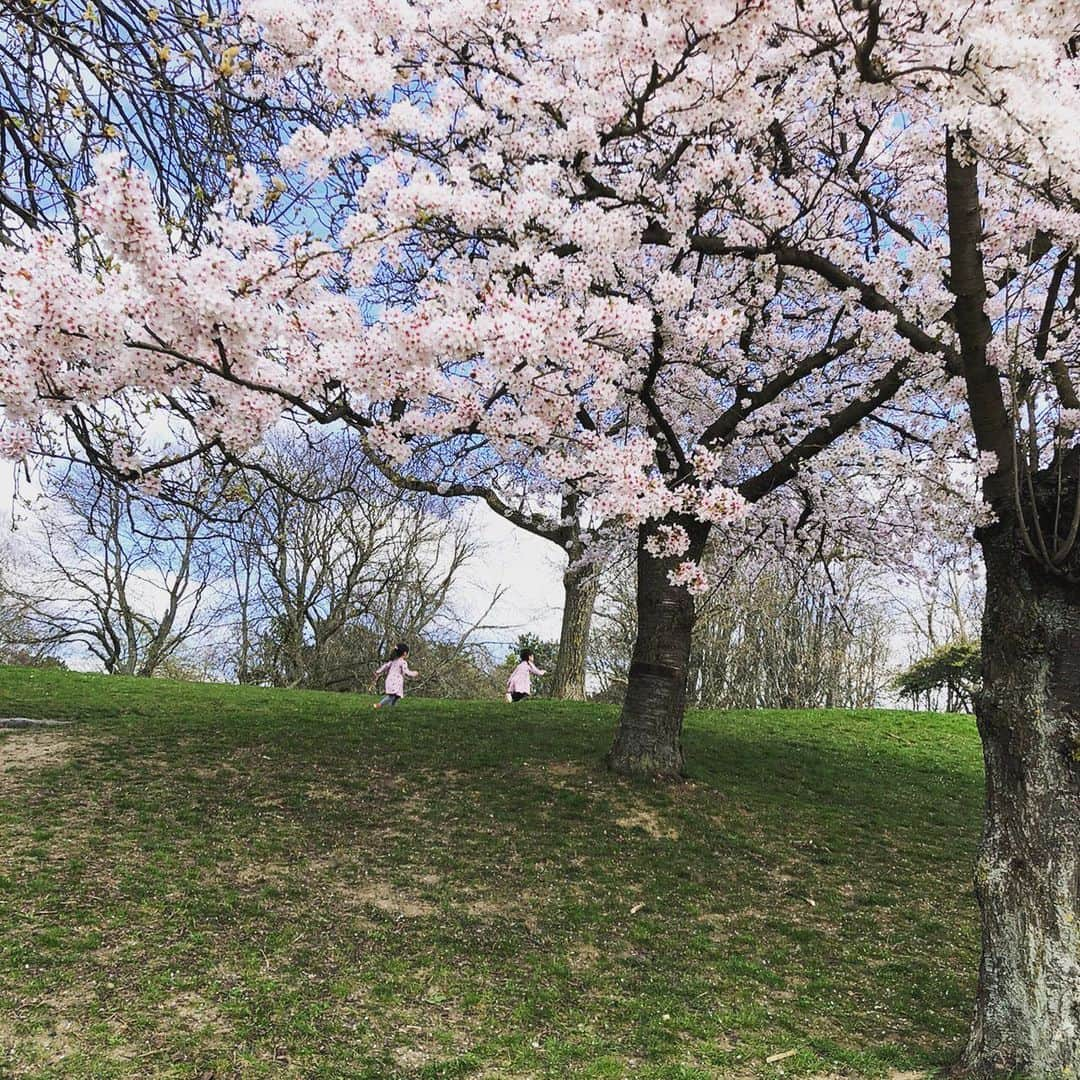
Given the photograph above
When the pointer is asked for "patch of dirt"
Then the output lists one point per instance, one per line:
(583, 956)
(486, 906)
(560, 774)
(326, 792)
(722, 925)
(68, 999)
(33, 750)
(649, 821)
(220, 771)
(438, 1031)
(193, 1011)
(498, 1072)
(892, 1074)
(565, 770)
(261, 873)
(383, 895)
(521, 907)
(451, 777)
(64, 1030)
(60, 1041)
(408, 1057)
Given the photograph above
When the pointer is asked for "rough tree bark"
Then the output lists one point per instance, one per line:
(648, 741)
(580, 586)
(1027, 1008)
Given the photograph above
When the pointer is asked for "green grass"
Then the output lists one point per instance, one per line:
(202, 881)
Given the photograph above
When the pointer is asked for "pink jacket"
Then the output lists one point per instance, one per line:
(520, 681)
(396, 670)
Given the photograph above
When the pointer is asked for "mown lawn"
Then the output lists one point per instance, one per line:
(201, 881)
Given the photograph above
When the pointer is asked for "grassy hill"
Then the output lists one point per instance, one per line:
(209, 882)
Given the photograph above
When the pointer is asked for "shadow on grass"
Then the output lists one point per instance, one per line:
(281, 883)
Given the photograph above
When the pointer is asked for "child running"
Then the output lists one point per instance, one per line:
(520, 683)
(396, 668)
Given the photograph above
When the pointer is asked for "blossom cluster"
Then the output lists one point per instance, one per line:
(691, 576)
(646, 250)
(668, 541)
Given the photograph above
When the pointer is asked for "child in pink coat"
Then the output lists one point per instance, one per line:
(519, 684)
(396, 668)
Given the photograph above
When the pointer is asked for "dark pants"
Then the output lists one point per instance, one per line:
(389, 700)
(517, 695)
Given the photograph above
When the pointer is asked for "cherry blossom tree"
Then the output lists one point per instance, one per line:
(668, 254)
(163, 84)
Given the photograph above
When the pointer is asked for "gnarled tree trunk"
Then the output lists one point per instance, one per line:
(580, 586)
(1027, 1009)
(649, 738)
(1027, 1012)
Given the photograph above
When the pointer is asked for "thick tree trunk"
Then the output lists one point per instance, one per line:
(1027, 1013)
(1027, 1009)
(580, 585)
(649, 738)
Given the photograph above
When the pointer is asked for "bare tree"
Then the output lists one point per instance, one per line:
(16, 638)
(940, 600)
(790, 634)
(331, 565)
(507, 492)
(128, 575)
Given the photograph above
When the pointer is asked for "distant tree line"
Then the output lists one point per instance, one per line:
(304, 566)
(300, 570)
